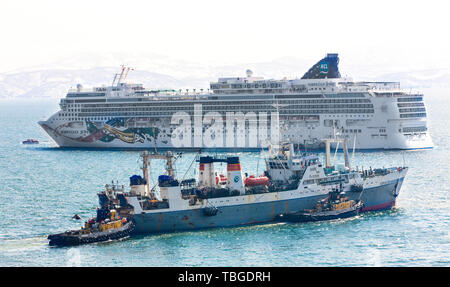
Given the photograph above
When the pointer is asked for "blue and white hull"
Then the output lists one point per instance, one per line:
(227, 216)
(259, 208)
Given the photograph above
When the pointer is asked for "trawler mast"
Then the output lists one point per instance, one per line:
(337, 141)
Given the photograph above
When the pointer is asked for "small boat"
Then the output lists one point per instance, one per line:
(334, 207)
(95, 230)
(256, 181)
(30, 141)
(221, 179)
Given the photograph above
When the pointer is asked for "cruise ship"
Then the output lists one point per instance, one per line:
(244, 113)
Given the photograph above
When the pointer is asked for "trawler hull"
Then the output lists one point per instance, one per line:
(227, 216)
(374, 198)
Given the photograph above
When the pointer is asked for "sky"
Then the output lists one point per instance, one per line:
(395, 34)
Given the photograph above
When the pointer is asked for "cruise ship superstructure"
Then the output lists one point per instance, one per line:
(244, 113)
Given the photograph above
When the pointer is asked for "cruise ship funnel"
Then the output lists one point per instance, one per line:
(327, 68)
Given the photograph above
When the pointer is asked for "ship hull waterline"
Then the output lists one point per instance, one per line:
(64, 141)
(374, 199)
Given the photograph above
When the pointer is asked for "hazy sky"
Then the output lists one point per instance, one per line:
(411, 34)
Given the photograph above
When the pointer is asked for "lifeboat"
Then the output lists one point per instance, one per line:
(255, 181)
(30, 141)
(221, 179)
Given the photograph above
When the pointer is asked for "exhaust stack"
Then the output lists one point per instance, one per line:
(207, 175)
(234, 175)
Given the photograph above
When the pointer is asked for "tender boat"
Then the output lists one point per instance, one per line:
(336, 206)
(30, 141)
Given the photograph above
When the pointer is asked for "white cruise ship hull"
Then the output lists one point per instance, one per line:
(363, 140)
(245, 113)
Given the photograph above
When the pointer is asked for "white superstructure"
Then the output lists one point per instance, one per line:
(374, 115)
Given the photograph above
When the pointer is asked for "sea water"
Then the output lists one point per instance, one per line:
(43, 186)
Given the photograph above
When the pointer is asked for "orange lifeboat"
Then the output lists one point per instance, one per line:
(255, 181)
(221, 179)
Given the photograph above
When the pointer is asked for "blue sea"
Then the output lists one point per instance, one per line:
(43, 186)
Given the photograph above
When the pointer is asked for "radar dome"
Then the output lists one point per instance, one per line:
(249, 73)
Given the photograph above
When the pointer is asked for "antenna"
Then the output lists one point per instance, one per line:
(114, 80)
(121, 75)
(126, 74)
(145, 168)
(298, 145)
(353, 152)
(264, 154)
(195, 157)
(154, 140)
(306, 146)
(277, 106)
(257, 165)
(335, 153)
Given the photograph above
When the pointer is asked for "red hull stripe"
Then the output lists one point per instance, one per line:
(385, 205)
(234, 167)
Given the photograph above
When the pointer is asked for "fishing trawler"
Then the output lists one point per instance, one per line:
(291, 183)
(247, 110)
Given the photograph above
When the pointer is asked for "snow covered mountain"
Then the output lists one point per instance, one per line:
(161, 72)
(55, 83)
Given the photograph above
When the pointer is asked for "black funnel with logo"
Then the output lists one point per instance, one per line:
(327, 68)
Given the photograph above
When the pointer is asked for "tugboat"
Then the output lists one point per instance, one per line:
(106, 226)
(30, 141)
(335, 206)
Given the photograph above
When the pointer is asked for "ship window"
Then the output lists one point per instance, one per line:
(418, 115)
(415, 129)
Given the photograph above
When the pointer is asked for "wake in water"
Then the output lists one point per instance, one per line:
(23, 244)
